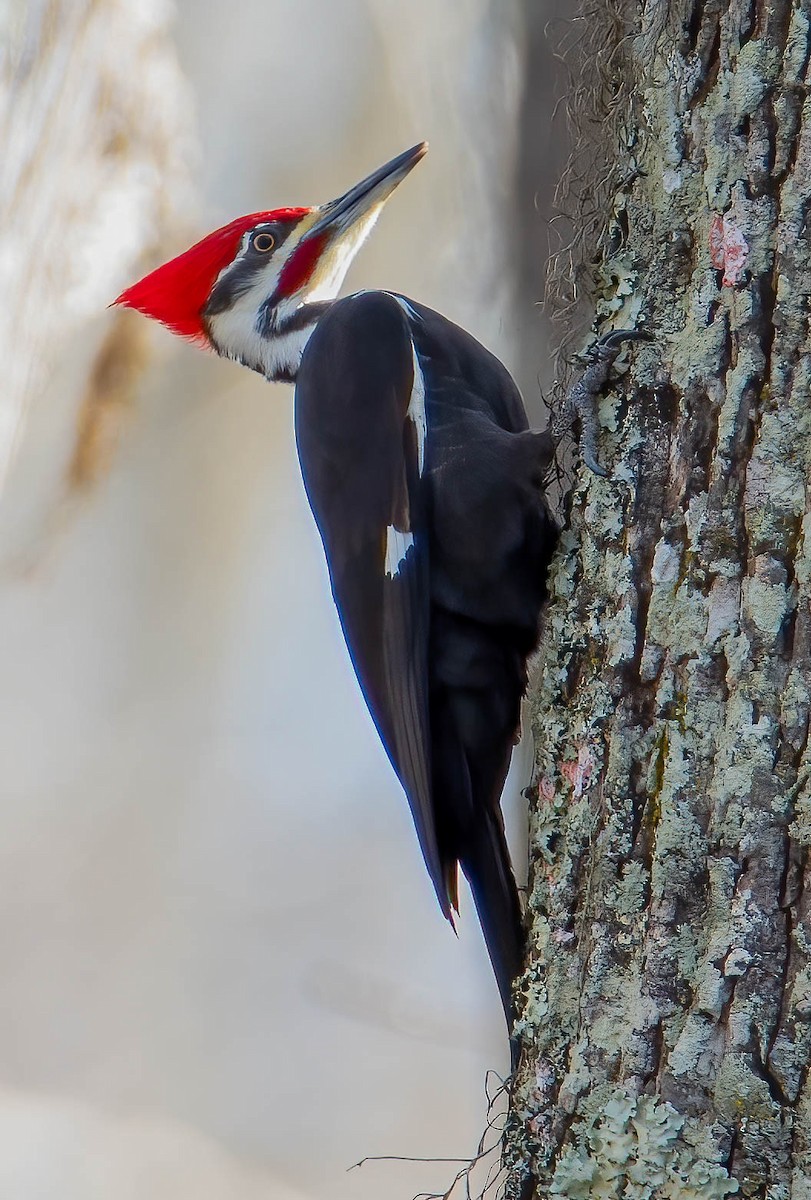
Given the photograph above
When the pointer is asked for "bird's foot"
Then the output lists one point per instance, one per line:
(582, 398)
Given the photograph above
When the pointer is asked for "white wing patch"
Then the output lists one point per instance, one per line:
(416, 405)
(398, 543)
(410, 312)
(397, 546)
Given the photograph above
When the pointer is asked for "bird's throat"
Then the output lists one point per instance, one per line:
(286, 339)
(273, 346)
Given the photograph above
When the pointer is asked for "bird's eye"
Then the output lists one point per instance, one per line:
(263, 242)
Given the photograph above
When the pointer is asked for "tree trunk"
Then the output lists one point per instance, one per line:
(667, 1001)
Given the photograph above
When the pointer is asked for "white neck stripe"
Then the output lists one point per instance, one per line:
(276, 355)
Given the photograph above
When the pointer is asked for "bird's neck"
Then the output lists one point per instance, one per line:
(274, 344)
(285, 340)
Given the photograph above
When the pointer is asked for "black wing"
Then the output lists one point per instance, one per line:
(360, 458)
(488, 387)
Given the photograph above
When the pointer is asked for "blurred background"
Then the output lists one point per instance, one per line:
(224, 973)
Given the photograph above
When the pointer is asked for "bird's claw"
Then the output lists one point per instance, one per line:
(611, 343)
(581, 400)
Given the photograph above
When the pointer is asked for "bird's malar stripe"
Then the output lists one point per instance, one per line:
(299, 268)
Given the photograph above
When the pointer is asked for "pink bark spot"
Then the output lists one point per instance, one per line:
(569, 771)
(546, 789)
(578, 772)
(729, 249)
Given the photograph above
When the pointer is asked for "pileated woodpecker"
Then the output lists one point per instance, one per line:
(427, 487)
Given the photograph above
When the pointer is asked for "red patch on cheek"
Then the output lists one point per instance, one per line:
(299, 268)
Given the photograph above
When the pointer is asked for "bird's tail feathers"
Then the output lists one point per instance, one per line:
(486, 865)
(452, 888)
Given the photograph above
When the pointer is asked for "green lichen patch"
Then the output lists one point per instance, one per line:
(630, 1149)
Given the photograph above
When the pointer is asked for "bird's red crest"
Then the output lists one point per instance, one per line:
(176, 292)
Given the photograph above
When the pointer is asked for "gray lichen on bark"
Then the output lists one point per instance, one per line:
(667, 1001)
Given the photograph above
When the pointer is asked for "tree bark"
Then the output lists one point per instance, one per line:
(667, 1000)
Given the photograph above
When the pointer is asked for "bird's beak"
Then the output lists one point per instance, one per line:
(367, 197)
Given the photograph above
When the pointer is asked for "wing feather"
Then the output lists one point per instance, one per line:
(359, 452)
